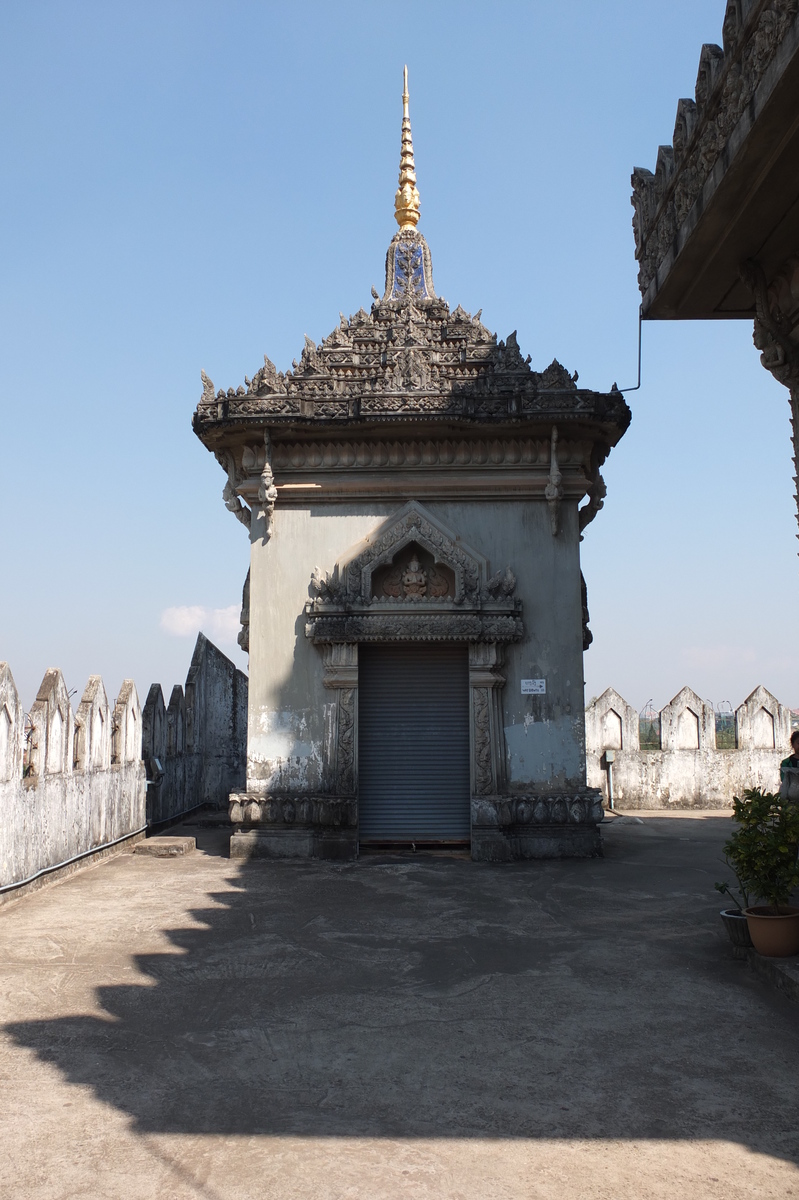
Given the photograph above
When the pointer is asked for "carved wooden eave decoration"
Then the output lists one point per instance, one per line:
(382, 591)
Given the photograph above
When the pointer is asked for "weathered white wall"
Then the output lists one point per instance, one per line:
(289, 706)
(73, 783)
(687, 771)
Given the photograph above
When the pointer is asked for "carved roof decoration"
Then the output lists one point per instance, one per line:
(753, 32)
(410, 356)
(344, 609)
(406, 199)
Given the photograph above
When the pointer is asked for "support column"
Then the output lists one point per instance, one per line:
(485, 706)
(341, 740)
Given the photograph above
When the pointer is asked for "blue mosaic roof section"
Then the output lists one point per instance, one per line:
(409, 277)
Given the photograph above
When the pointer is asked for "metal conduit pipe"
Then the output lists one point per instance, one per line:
(9, 887)
(173, 818)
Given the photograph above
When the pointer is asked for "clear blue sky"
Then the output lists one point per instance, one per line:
(194, 184)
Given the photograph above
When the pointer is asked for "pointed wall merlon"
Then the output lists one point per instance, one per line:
(688, 723)
(126, 728)
(12, 727)
(58, 741)
(762, 723)
(154, 726)
(216, 701)
(82, 771)
(49, 746)
(93, 728)
(611, 723)
(176, 722)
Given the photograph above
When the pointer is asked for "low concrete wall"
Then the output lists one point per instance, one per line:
(68, 783)
(685, 778)
(51, 820)
(687, 770)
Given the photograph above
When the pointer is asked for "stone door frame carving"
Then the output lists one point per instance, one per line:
(486, 734)
(483, 614)
(341, 735)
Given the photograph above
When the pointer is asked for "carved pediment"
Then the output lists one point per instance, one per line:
(412, 578)
(412, 528)
(413, 575)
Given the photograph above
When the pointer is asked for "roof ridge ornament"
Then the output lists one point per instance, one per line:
(409, 270)
(406, 198)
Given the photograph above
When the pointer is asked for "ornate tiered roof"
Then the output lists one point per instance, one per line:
(409, 358)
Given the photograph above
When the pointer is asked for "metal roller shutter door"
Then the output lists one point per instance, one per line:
(413, 743)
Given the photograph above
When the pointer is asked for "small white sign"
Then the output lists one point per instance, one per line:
(534, 687)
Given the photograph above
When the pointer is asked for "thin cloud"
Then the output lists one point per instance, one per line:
(187, 620)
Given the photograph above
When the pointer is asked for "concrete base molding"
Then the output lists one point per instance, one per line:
(297, 811)
(293, 843)
(504, 828)
(509, 828)
(553, 841)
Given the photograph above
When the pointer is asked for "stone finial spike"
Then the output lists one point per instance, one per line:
(406, 198)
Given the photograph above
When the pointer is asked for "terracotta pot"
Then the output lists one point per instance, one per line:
(774, 934)
(737, 926)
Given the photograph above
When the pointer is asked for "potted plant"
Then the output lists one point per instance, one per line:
(763, 854)
(734, 918)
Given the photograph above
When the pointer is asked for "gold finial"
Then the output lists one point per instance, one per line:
(406, 199)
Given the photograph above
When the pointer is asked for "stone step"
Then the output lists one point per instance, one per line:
(165, 847)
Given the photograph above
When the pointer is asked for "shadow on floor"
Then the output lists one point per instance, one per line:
(591, 999)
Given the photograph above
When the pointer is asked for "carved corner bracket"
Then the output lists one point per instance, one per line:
(554, 489)
(230, 496)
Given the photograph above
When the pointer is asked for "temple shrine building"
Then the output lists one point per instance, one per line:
(415, 614)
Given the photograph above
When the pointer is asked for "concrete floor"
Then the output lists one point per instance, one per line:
(188, 1027)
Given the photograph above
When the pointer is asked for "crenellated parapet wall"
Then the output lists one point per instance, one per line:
(195, 748)
(680, 766)
(70, 782)
(74, 782)
(733, 86)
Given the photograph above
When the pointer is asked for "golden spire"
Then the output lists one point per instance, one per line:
(406, 199)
